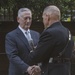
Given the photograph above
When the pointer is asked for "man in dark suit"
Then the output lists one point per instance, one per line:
(20, 42)
(55, 46)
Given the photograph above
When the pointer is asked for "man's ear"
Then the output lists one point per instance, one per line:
(17, 19)
(49, 17)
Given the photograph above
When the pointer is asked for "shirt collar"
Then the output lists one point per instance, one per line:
(23, 29)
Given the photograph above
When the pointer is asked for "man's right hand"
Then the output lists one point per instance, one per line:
(34, 70)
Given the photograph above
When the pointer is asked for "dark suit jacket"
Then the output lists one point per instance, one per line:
(52, 41)
(17, 48)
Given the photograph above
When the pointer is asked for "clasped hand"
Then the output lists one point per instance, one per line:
(34, 70)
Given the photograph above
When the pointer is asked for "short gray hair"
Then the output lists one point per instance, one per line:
(52, 10)
(21, 10)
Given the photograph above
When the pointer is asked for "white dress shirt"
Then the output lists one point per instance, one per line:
(26, 33)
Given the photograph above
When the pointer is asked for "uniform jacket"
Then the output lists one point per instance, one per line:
(17, 48)
(52, 42)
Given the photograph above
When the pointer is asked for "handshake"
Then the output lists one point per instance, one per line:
(34, 70)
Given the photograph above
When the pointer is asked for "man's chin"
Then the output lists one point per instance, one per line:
(26, 27)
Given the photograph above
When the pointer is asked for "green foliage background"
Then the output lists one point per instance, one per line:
(37, 6)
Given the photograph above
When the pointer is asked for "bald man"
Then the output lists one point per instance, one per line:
(55, 46)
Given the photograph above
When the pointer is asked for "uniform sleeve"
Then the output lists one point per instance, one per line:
(43, 50)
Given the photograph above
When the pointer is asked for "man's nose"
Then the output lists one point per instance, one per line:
(28, 20)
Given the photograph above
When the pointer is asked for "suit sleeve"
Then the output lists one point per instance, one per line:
(12, 53)
(42, 52)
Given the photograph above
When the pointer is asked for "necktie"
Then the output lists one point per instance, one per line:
(28, 36)
(30, 40)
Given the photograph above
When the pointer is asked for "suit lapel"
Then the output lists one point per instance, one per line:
(32, 35)
(23, 38)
